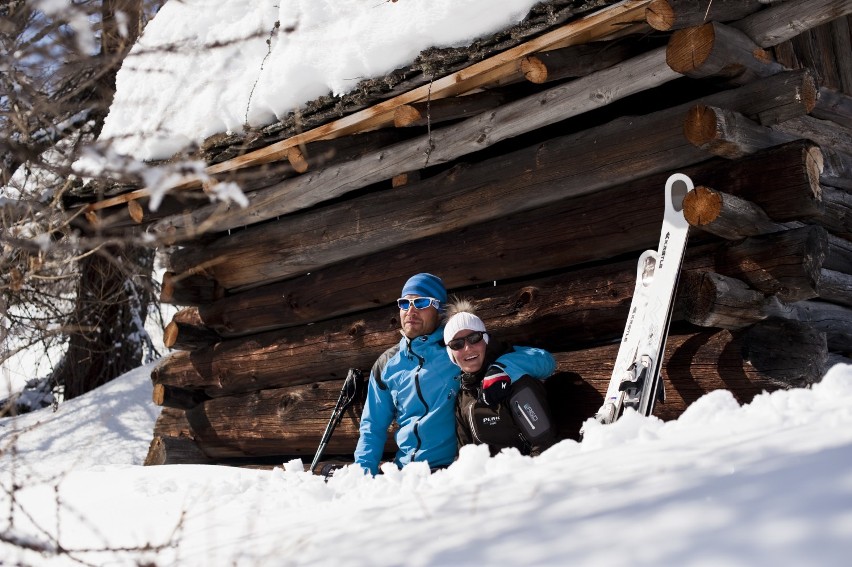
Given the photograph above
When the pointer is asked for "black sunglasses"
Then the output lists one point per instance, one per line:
(471, 339)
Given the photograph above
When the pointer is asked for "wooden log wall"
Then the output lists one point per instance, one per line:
(536, 203)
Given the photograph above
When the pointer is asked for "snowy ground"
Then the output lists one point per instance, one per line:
(769, 483)
(765, 484)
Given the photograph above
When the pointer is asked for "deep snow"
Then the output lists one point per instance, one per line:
(769, 483)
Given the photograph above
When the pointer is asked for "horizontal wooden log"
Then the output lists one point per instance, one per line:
(713, 300)
(189, 289)
(697, 363)
(783, 181)
(290, 421)
(175, 451)
(834, 106)
(172, 423)
(835, 358)
(786, 20)
(836, 169)
(178, 398)
(729, 134)
(577, 60)
(822, 132)
(301, 355)
(552, 312)
(474, 134)
(792, 352)
(832, 319)
(446, 109)
(837, 205)
(667, 15)
(258, 177)
(559, 169)
(535, 241)
(719, 51)
(726, 216)
(835, 286)
(708, 299)
(839, 254)
(111, 215)
(839, 31)
(765, 262)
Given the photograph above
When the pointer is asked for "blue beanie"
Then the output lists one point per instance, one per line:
(426, 285)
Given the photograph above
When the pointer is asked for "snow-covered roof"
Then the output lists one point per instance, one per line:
(203, 68)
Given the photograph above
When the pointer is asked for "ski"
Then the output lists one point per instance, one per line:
(635, 381)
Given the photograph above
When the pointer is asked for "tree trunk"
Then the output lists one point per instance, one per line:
(113, 295)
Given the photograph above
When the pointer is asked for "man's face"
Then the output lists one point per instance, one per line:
(418, 322)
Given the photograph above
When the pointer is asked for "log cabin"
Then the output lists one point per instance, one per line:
(543, 152)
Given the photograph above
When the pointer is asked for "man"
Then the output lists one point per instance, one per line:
(415, 383)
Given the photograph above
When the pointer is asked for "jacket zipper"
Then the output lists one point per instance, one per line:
(416, 427)
(472, 426)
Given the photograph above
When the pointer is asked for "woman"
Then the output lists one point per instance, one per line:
(492, 409)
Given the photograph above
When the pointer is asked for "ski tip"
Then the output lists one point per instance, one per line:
(677, 187)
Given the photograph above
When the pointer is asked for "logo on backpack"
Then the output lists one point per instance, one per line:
(530, 412)
(491, 420)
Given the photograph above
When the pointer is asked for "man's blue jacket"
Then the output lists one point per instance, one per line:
(415, 383)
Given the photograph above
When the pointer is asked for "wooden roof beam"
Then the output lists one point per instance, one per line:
(668, 15)
(786, 20)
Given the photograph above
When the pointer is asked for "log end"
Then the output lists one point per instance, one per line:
(701, 125)
(697, 297)
(702, 206)
(135, 211)
(814, 166)
(170, 334)
(689, 48)
(533, 69)
(167, 288)
(400, 180)
(406, 115)
(810, 93)
(660, 15)
(190, 316)
(156, 453)
(297, 159)
(159, 394)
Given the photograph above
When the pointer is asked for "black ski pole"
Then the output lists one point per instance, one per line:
(347, 396)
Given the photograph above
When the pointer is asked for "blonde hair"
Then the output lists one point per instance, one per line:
(458, 305)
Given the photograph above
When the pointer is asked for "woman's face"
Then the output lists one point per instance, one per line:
(470, 357)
